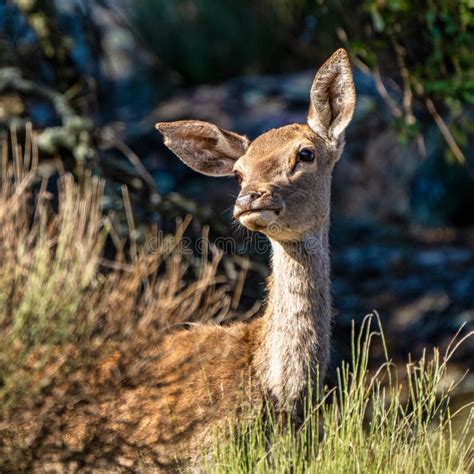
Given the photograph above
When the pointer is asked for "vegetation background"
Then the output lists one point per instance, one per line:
(82, 84)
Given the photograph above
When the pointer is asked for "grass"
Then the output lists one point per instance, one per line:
(62, 304)
(373, 422)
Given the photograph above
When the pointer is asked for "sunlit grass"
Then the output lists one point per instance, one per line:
(64, 305)
(371, 422)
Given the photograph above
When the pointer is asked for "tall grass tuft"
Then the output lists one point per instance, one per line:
(371, 422)
(64, 306)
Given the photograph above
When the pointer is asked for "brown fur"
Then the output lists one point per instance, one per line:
(199, 380)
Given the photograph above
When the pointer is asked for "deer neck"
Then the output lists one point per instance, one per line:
(298, 319)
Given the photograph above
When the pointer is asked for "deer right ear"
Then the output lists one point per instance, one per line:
(204, 147)
(333, 97)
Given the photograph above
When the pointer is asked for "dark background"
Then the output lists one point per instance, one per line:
(94, 76)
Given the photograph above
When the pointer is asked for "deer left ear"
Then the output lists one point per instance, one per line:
(333, 97)
(204, 147)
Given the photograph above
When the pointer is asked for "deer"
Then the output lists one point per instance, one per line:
(202, 378)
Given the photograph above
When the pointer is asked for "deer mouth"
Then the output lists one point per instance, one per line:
(260, 219)
(250, 212)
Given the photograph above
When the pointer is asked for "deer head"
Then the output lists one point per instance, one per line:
(285, 173)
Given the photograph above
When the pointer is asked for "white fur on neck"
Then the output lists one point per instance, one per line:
(299, 324)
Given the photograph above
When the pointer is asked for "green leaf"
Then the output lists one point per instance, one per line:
(377, 20)
(469, 97)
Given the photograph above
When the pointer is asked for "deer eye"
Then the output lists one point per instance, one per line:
(306, 154)
(238, 177)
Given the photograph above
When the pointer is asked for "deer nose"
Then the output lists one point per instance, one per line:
(248, 198)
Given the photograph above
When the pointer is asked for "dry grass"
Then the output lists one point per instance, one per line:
(62, 305)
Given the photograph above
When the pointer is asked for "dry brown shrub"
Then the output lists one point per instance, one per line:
(66, 313)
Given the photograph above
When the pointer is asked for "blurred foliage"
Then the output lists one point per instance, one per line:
(51, 75)
(426, 52)
(209, 40)
(438, 42)
(181, 33)
(423, 56)
(53, 48)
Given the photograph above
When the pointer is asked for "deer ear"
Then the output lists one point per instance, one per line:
(333, 97)
(203, 146)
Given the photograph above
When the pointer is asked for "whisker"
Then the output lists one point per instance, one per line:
(226, 210)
